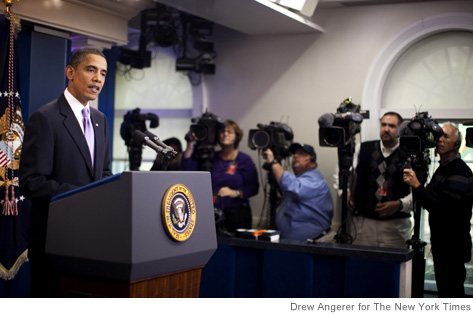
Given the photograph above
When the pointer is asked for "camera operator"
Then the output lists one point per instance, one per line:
(382, 203)
(306, 209)
(234, 177)
(448, 198)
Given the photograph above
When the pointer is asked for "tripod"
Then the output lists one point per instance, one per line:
(418, 262)
(273, 197)
(418, 245)
(345, 162)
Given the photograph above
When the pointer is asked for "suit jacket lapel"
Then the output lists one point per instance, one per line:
(71, 124)
(99, 138)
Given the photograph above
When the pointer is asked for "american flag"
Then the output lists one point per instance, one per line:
(14, 210)
(4, 160)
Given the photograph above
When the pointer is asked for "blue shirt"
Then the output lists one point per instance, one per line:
(307, 208)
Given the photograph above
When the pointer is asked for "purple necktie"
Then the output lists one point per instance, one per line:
(88, 132)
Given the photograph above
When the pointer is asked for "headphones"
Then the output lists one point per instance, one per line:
(458, 141)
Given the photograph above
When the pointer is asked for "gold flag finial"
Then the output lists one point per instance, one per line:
(8, 4)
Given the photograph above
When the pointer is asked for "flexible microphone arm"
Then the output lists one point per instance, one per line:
(143, 139)
(166, 148)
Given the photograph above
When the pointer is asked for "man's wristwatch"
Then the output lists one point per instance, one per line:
(273, 162)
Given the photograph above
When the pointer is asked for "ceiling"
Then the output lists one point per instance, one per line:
(252, 17)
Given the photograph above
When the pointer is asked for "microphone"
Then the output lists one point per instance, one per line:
(326, 120)
(141, 138)
(156, 140)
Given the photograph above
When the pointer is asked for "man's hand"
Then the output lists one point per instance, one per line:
(386, 209)
(268, 155)
(410, 178)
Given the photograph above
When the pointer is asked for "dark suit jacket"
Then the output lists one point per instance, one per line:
(55, 158)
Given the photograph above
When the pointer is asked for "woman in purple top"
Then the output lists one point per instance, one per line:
(234, 177)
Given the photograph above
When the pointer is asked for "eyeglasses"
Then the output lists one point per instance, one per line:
(229, 131)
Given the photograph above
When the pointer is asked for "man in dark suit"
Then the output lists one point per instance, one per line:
(56, 156)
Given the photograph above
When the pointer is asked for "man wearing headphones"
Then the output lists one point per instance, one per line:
(449, 199)
(306, 210)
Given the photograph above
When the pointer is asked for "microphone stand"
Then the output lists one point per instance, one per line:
(168, 155)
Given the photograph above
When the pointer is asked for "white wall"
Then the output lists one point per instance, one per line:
(297, 78)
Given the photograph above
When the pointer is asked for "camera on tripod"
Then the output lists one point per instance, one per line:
(275, 136)
(338, 130)
(134, 120)
(469, 133)
(418, 134)
(469, 137)
(205, 131)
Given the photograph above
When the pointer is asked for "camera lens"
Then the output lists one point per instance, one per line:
(334, 137)
(199, 132)
(261, 139)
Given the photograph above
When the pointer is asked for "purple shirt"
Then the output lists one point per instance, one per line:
(240, 175)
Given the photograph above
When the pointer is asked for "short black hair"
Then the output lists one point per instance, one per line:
(399, 117)
(79, 55)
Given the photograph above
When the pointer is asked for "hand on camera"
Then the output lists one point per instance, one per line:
(268, 155)
(410, 178)
(188, 137)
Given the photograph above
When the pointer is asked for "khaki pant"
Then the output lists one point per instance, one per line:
(388, 233)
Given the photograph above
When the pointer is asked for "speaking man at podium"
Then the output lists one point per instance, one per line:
(66, 145)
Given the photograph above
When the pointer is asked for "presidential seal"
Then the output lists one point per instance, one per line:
(178, 212)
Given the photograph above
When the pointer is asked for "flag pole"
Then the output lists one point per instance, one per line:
(8, 4)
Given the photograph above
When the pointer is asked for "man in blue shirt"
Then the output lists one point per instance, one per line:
(306, 209)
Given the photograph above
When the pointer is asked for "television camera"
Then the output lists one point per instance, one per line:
(417, 136)
(135, 120)
(339, 130)
(275, 136)
(469, 133)
(204, 130)
(278, 138)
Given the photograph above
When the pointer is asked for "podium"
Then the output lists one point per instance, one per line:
(118, 237)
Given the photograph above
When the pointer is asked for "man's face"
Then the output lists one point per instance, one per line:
(446, 143)
(86, 81)
(389, 130)
(301, 161)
